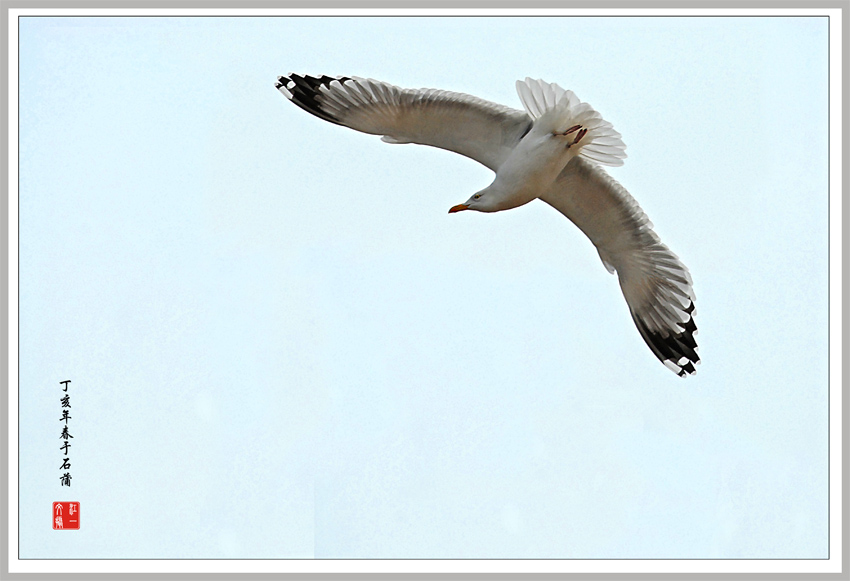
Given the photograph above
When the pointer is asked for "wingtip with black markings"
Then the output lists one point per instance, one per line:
(676, 350)
(306, 92)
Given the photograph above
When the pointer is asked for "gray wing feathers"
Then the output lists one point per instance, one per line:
(656, 285)
(481, 130)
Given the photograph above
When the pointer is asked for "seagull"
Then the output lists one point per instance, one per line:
(553, 150)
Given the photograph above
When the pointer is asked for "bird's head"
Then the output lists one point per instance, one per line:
(484, 201)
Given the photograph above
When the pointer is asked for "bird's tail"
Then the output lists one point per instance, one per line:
(561, 112)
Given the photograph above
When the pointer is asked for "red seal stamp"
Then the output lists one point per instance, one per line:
(66, 516)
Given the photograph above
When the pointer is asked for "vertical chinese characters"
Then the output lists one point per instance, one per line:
(65, 401)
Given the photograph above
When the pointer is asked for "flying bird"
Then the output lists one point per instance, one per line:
(553, 150)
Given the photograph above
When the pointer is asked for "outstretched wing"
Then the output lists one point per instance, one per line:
(656, 285)
(478, 129)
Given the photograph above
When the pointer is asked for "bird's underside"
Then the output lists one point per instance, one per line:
(573, 138)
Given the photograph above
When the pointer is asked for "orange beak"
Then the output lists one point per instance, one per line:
(458, 208)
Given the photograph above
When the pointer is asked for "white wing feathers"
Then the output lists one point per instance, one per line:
(656, 285)
(547, 103)
(481, 130)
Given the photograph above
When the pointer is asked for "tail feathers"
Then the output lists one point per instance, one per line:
(538, 96)
(560, 111)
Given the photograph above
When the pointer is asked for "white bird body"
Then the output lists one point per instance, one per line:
(553, 151)
(529, 171)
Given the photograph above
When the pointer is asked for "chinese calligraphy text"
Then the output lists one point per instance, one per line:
(65, 402)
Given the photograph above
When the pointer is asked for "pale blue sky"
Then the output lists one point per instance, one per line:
(281, 345)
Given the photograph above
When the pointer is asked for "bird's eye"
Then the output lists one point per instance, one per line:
(476, 196)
